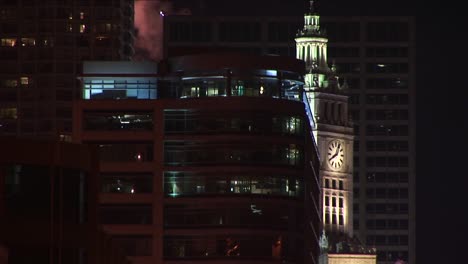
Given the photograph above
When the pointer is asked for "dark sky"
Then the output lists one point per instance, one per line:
(442, 121)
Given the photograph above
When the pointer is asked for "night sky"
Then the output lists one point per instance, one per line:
(441, 43)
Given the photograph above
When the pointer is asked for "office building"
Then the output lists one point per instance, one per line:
(48, 204)
(204, 158)
(42, 45)
(375, 55)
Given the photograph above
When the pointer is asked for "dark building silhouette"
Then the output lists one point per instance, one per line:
(204, 158)
(42, 45)
(48, 204)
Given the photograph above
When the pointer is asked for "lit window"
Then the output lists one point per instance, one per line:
(81, 15)
(8, 113)
(28, 42)
(70, 16)
(24, 80)
(9, 83)
(82, 28)
(8, 42)
(70, 28)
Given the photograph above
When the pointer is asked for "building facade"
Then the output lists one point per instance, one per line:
(42, 45)
(375, 54)
(204, 158)
(48, 204)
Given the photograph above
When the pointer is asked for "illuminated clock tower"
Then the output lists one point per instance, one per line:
(333, 131)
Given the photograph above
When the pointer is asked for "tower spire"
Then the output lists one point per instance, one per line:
(311, 7)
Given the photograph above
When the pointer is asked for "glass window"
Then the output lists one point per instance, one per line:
(343, 31)
(188, 184)
(134, 245)
(117, 121)
(126, 152)
(387, 31)
(127, 183)
(126, 214)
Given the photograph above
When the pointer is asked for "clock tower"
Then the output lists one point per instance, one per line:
(333, 131)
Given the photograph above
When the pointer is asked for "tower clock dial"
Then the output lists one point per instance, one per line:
(335, 154)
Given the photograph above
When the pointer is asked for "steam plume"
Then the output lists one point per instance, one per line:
(149, 28)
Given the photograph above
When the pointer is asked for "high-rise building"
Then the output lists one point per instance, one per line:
(48, 200)
(375, 55)
(42, 45)
(204, 158)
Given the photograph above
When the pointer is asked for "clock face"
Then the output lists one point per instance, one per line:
(335, 154)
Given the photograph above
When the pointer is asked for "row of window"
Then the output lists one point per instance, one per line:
(383, 67)
(371, 52)
(380, 99)
(390, 99)
(387, 208)
(393, 256)
(333, 201)
(386, 83)
(104, 121)
(259, 246)
(126, 183)
(393, 240)
(387, 130)
(387, 224)
(183, 121)
(394, 146)
(387, 193)
(384, 162)
(234, 215)
(189, 184)
(387, 114)
(387, 177)
(334, 219)
(335, 184)
(182, 153)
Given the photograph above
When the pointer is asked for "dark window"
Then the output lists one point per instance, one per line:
(387, 32)
(136, 245)
(126, 214)
(343, 32)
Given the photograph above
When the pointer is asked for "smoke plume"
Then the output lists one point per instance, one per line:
(149, 15)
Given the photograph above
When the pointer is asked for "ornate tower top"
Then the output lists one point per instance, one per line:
(311, 24)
